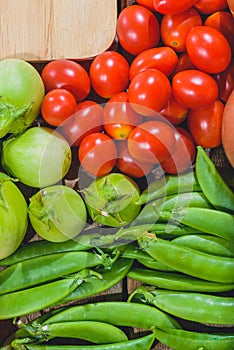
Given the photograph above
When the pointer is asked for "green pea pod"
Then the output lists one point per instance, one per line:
(217, 268)
(40, 248)
(141, 343)
(43, 269)
(176, 281)
(95, 285)
(178, 339)
(169, 185)
(216, 222)
(37, 298)
(212, 184)
(196, 307)
(117, 313)
(207, 243)
(169, 230)
(154, 264)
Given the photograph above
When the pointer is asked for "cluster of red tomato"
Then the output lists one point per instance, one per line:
(155, 99)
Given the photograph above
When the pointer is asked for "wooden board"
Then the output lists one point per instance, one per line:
(42, 30)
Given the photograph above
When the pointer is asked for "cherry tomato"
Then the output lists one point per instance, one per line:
(184, 154)
(67, 75)
(87, 120)
(208, 7)
(109, 73)
(184, 63)
(171, 6)
(174, 112)
(223, 22)
(205, 124)
(152, 141)
(57, 106)
(128, 165)
(146, 3)
(231, 6)
(119, 118)
(137, 29)
(162, 58)
(174, 28)
(225, 81)
(194, 88)
(97, 154)
(208, 49)
(149, 91)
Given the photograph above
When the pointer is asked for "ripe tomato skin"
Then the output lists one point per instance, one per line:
(109, 73)
(174, 28)
(208, 49)
(184, 154)
(137, 29)
(144, 88)
(57, 106)
(68, 75)
(174, 112)
(223, 22)
(184, 63)
(119, 118)
(152, 141)
(205, 124)
(97, 154)
(171, 6)
(225, 81)
(129, 165)
(146, 3)
(194, 88)
(87, 120)
(207, 7)
(162, 58)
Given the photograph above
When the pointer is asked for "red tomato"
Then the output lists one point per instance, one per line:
(149, 92)
(174, 28)
(225, 81)
(146, 3)
(97, 154)
(231, 6)
(162, 58)
(205, 124)
(208, 7)
(109, 73)
(208, 49)
(119, 118)
(171, 6)
(194, 88)
(57, 106)
(137, 29)
(184, 154)
(152, 141)
(184, 63)
(129, 165)
(174, 112)
(87, 120)
(67, 75)
(223, 22)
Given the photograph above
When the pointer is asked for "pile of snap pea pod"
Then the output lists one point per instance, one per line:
(181, 250)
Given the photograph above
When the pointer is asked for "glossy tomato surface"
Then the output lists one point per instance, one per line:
(208, 49)
(171, 6)
(194, 88)
(66, 74)
(109, 73)
(97, 154)
(208, 7)
(146, 3)
(225, 81)
(137, 29)
(174, 112)
(152, 141)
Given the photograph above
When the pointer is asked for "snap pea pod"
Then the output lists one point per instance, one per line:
(216, 222)
(39, 248)
(144, 342)
(116, 313)
(196, 307)
(179, 339)
(43, 269)
(188, 260)
(151, 212)
(212, 184)
(207, 243)
(169, 230)
(33, 299)
(155, 265)
(177, 281)
(168, 185)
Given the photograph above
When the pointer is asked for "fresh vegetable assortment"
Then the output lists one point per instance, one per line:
(146, 203)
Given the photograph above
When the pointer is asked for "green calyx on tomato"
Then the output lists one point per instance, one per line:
(111, 200)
